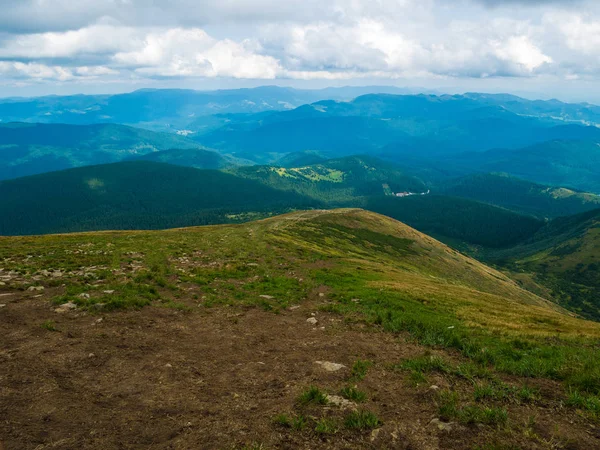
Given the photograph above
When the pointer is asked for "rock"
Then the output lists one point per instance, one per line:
(35, 288)
(109, 292)
(434, 387)
(6, 295)
(65, 307)
(84, 296)
(357, 300)
(330, 366)
(321, 294)
(91, 355)
(312, 320)
(442, 426)
(375, 434)
(293, 308)
(168, 365)
(268, 297)
(2, 305)
(341, 402)
(99, 320)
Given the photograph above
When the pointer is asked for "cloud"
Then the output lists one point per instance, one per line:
(307, 40)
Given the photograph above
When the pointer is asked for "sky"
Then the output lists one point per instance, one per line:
(536, 48)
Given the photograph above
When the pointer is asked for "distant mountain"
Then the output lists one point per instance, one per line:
(393, 126)
(191, 157)
(164, 109)
(572, 163)
(522, 196)
(135, 195)
(564, 256)
(336, 181)
(28, 149)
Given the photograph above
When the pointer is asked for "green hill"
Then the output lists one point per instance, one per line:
(134, 195)
(336, 323)
(522, 196)
(336, 181)
(195, 157)
(300, 159)
(564, 256)
(29, 149)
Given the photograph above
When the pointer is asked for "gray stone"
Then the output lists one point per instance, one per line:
(312, 320)
(330, 366)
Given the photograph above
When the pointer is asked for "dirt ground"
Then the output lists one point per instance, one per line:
(214, 378)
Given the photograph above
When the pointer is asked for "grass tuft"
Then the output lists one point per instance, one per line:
(313, 395)
(362, 420)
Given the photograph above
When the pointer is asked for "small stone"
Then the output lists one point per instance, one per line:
(2, 305)
(313, 314)
(168, 365)
(99, 320)
(330, 366)
(357, 300)
(268, 297)
(375, 434)
(109, 292)
(312, 320)
(35, 288)
(84, 296)
(91, 355)
(321, 294)
(293, 308)
(434, 387)
(6, 295)
(442, 426)
(343, 403)
(65, 307)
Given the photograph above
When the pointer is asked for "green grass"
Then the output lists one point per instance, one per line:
(353, 394)
(296, 423)
(449, 409)
(313, 395)
(588, 403)
(326, 426)
(49, 325)
(360, 369)
(362, 420)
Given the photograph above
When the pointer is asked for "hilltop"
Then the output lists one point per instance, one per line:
(345, 329)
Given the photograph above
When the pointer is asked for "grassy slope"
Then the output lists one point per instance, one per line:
(522, 196)
(565, 256)
(376, 271)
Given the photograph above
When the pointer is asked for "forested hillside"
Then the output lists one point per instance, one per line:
(135, 195)
(522, 196)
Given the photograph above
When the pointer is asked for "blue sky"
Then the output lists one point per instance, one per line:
(538, 48)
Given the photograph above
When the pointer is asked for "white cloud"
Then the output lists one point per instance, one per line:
(307, 40)
(192, 52)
